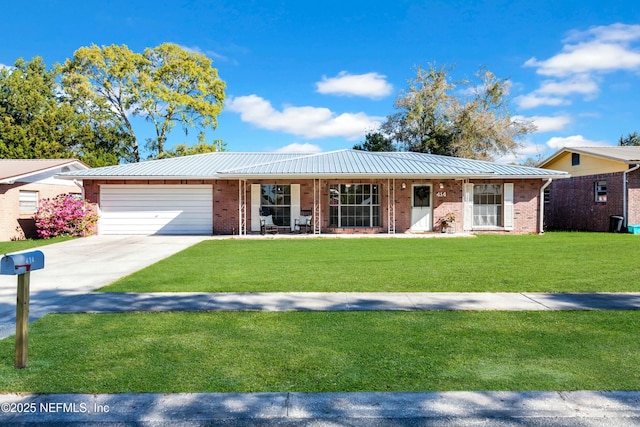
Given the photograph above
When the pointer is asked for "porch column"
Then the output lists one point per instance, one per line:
(391, 206)
(317, 206)
(242, 207)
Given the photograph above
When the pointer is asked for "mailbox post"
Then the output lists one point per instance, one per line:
(22, 265)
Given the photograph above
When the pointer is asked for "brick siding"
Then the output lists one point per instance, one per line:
(573, 206)
(445, 200)
(15, 225)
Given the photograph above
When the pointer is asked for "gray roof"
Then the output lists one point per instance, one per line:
(15, 169)
(629, 155)
(228, 165)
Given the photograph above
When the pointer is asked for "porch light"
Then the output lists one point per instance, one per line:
(404, 185)
(441, 185)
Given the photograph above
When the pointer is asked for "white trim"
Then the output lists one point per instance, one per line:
(508, 206)
(467, 206)
(255, 207)
(295, 204)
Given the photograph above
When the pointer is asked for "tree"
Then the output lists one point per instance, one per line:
(102, 82)
(375, 141)
(165, 85)
(631, 140)
(181, 150)
(463, 119)
(37, 121)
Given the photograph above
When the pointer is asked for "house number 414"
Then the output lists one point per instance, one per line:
(441, 194)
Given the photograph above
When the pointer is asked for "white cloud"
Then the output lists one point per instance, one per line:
(528, 150)
(369, 85)
(534, 100)
(547, 123)
(572, 141)
(308, 122)
(599, 49)
(611, 33)
(580, 84)
(297, 147)
(588, 57)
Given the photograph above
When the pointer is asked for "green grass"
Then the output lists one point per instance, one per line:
(20, 245)
(554, 262)
(327, 351)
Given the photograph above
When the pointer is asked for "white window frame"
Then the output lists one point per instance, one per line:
(337, 205)
(28, 201)
(600, 189)
(506, 209)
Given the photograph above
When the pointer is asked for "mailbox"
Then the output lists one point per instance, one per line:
(22, 263)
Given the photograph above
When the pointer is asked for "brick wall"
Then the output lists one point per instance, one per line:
(15, 225)
(446, 198)
(572, 204)
(526, 205)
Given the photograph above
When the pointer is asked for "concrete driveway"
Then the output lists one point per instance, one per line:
(83, 265)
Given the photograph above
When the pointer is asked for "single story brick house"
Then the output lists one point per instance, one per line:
(345, 191)
(23, 183)
(604, 183)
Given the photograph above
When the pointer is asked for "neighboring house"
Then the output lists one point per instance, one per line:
(344, 191)
(23, 183)
(604, 183)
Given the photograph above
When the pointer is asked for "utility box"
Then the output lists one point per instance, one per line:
(21, 263)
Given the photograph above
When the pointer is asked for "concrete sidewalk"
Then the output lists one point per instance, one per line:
(345, 301)
(583, 408)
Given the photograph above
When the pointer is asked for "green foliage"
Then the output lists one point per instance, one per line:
(327, 352)
(375, 141)
(38, 120)
(631, 140)
(564, 262)
(181, 150)
(463, 119)
(166, 85)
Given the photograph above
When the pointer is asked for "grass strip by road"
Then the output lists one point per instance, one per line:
(21, 245)
(327, 351)
(554, 262)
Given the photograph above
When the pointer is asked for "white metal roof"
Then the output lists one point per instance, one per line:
(229, 165)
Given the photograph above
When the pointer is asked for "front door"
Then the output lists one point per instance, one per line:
(421, 211)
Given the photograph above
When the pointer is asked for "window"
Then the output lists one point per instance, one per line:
(601, 191)
(547, 194)
(487, 205)
(354, 205)
(575, 159)
(275, 200)
(422, 196)
(28, 201)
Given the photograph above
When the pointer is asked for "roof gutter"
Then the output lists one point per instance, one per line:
(625, 208)
(541, 216)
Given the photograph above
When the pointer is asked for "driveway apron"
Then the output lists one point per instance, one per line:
(82, 265)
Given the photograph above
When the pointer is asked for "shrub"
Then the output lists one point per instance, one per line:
(65, 215)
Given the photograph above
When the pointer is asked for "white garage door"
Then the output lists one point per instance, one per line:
(156, 209)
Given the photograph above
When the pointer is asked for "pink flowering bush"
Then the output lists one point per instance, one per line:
(65, 215)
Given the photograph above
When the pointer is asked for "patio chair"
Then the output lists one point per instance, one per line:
(267, 225)
(304, 221)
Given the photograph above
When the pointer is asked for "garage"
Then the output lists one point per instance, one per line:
(156, 209)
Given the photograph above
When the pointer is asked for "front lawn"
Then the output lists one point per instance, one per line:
(21, 245)
(554, 262)
(327, 352)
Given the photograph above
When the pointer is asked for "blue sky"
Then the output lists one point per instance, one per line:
(316, 76)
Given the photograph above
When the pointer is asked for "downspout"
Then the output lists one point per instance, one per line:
(541, 225)
(624, 194)
(79, 184)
